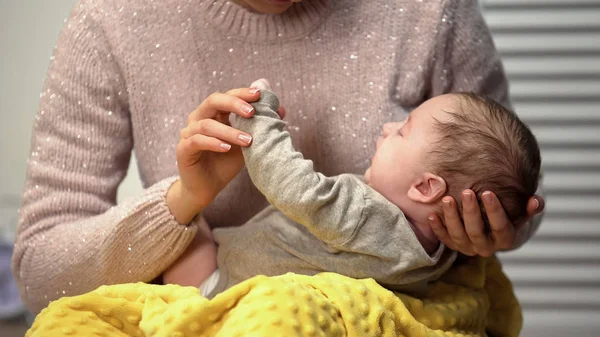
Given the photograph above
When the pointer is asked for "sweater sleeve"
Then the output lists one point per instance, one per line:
(466, 59)
(341, 211)
(327, 206)
(72, 237)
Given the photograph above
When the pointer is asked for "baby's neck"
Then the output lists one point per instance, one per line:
(425, 235)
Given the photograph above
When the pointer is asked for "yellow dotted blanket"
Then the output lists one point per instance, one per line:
(473, 299)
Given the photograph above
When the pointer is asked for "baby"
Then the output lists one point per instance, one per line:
(376, 228)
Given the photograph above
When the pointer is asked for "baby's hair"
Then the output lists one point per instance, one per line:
(486, 147)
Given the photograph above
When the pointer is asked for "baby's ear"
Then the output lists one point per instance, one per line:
(428, 189)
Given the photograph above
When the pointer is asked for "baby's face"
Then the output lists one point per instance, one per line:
(402, 151)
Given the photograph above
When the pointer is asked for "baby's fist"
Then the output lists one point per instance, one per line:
(261, 84)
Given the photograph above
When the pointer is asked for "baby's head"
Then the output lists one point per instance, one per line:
(451, 143)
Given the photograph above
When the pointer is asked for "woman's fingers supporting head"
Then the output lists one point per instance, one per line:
(535, 205)
(455, 227)
(502, 230)
(440, 231)
(467, 234)
(473, 221)
(474, 224)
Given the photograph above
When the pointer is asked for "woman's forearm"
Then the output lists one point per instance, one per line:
(185, 206)
(72, 252)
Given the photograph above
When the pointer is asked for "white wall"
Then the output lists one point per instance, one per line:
(551, 52)
(28, 33)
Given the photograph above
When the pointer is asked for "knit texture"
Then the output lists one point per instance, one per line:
(474, 299)
(317, 223)
(124, 77)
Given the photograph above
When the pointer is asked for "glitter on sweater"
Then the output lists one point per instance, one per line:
(104, 85)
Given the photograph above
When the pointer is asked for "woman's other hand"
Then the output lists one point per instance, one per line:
(471, 237)
(209, 151)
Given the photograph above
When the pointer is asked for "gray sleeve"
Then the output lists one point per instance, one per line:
(329, 207)
(341, 211)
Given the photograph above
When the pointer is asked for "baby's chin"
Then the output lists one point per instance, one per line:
(367, 176)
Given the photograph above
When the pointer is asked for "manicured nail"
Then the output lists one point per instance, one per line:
(254, 90)
(487, 197)
(225, 146)
(537, 204)
(247, 109)
(245, 138)
(467, 196)
(430, 219)
(446, 203)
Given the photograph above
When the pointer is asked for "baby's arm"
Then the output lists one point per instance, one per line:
(330, 207)
(198, 261)
(341, 211)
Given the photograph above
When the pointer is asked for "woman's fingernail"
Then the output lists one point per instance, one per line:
(254, 90)
(430, 219)
(247, 109)
(225, 146)
(537, 204)
(487, 197)
(446, 203)
(467, 196)
(245, 138)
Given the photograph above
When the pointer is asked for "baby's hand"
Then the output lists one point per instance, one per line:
(263, 84)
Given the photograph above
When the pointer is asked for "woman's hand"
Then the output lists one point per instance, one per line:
(209, 154)
(471, 238)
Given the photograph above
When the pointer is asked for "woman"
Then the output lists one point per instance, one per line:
(127, 77)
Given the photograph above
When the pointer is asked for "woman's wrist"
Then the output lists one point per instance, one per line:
(183, 205)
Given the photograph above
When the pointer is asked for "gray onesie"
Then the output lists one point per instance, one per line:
(317, 223)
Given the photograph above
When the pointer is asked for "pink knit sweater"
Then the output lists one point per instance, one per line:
(125, 75)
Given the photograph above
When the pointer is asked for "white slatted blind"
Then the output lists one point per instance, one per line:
(551, 52)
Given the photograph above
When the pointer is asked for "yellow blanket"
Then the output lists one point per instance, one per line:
(473, 299)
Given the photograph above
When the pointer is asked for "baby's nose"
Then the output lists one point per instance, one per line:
(387, 129)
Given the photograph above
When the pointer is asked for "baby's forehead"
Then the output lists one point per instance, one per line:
(444, 102)
(449, 101)
(440, 106)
